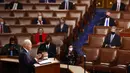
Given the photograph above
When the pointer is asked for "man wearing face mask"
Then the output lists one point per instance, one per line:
(67, 5)
(14, 5)
(118, 6)
(39, 20)
(48, 49)
(107, 20)
(112, 40)
(62, 27)
(3, 27)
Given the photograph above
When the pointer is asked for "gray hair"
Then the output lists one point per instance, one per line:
(27, 42)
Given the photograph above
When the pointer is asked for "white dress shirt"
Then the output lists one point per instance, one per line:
(15, 5)
(118, 7)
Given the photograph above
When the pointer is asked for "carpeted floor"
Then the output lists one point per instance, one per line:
(88, 30)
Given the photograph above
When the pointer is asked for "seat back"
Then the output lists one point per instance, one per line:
(115, 14)
(48, 13)
(4, 38)
(5, 13)
(27, 6)
(40, 6)
(124, 23)
(91, 54)
(96, 40)
(21, 37)
(54, 21)
(53, 6)
(123, 57)
(10, 21)
(101, 30)
(2, 7)
(19, 13)
(107, 55)
(16, 29)
(125, 15)
(75, 13)
(126, 43)
(25, 21)
(34, 1)
(61, 13)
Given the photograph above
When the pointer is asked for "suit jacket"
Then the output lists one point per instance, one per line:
(7, 48)
(26, 62)
(1, 1)
(122, 6)
(115, 42)
(37, 39)
(51, 50)
(64, 29)
(71, 6)
(5, 28)
(50, 1)
(10, 5)
(111, 22)
(35, 21)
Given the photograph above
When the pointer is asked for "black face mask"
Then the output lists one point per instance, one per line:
(47, 42)
(112, 32)
(107, 16)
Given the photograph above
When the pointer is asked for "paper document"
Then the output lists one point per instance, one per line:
(45, 61)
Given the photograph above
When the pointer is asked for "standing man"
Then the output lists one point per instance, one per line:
(25, 60)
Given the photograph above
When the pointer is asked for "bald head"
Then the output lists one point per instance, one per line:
(27, 44)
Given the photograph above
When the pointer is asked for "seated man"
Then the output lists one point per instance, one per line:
(47, 1)
(40, 36)
(12, 48)
(107, 20)
(112, 40)
(48, 49)
(39, 20)
(1, 1)
(118, 6)
(62, 27)
(3, 27)
(14, 5)
(66, 4)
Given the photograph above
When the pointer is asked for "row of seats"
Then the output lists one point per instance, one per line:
(57, 1)
(96, 41)
(45, 13)
(106, 60)
(34, 28)
(28, 21)
(120, 15)
(4, 38)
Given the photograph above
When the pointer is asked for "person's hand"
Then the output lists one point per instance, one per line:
(106, 45)
(45, 55)
(39, 56)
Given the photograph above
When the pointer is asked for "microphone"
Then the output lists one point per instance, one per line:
(84, 63)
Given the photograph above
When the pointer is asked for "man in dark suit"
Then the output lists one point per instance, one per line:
(118, 6)
(14, 5)
(39, 20)
(25, 60)
(1, 1)
(62, 27)
(47, 1)
(3, 27)
(66, 4)
(112, 40)
(48, 49)
(107, 20)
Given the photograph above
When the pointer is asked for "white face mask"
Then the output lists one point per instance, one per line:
(1, 22)
(118, 1)
(70, 49)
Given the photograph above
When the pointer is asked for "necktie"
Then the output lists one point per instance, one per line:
(111, 38)
(106, 22)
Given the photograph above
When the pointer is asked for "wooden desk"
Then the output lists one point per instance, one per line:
(53, 67)
(73, 69)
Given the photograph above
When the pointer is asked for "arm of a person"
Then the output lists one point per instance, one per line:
(28, 60)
